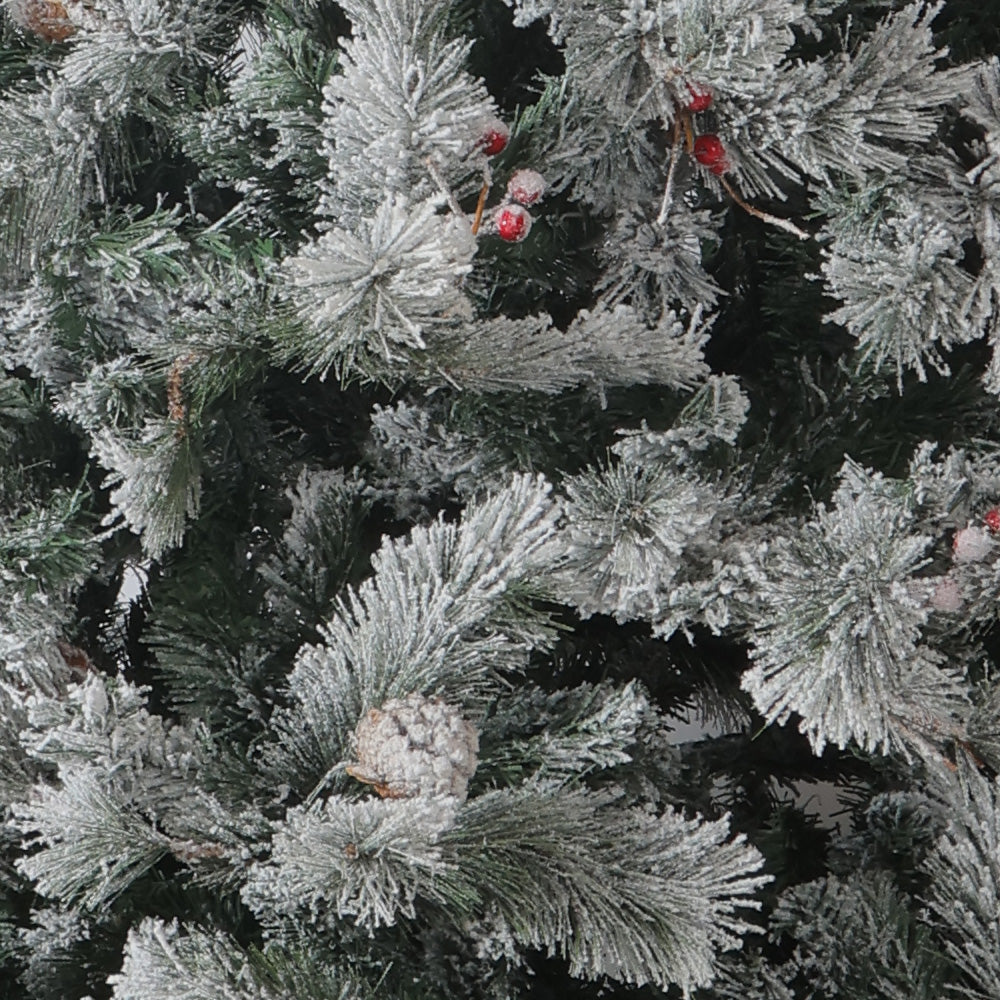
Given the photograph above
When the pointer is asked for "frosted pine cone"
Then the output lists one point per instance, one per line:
(47, 19)
(415, 746)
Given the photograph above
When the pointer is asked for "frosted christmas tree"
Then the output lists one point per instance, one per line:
(500, 499)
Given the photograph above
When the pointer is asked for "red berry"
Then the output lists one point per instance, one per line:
(513, 223)
(525, 186)
(992, 520)
(708, 150)
(701, 99)
(494, 137)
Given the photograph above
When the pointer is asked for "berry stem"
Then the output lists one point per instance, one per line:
(774, 220)
(685, 119)
(481, 204)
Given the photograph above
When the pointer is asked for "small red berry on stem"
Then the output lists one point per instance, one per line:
(709, 151)
(525, 186)
(992, 520)
(701, 99)
(494, 137)
(513, 223)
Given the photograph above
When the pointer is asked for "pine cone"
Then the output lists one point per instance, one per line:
(48, 19)
(415, 746)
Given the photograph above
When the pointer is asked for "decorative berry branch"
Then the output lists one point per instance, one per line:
(494, 140)
(710, 151)
(774, 220)
(510, 220)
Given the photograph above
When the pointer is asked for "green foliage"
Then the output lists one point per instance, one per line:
(858, 939)
(164, 960)
(439, 615)
(965, 879)
(567, 735)
(844, 651)
(545, 861)
(159, 505)
(50, 545)
(85, 826)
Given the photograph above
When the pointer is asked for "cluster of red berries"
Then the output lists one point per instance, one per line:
(992, 519)
(708, 149)
(511, 220)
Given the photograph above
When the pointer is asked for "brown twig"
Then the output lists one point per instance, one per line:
(176, 409)
(967, 747)
(190, 850)
(76, 659)
(455, 207)
(384, 788)
(774, 220)
(484, 192)
(685, 119)
(940, 732)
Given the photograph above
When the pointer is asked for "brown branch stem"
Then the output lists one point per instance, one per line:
(774, 220)
(481, 204)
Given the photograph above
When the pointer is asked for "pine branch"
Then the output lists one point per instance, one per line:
(858, 938)
(434, 618)
(965, 881)
(154, 481)
(369, 300)
(167, 962)
(619, 893)
(403, 98)
(94, 845)
(843, 651)
(567, 735)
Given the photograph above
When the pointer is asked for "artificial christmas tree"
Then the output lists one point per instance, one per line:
(407, 595)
